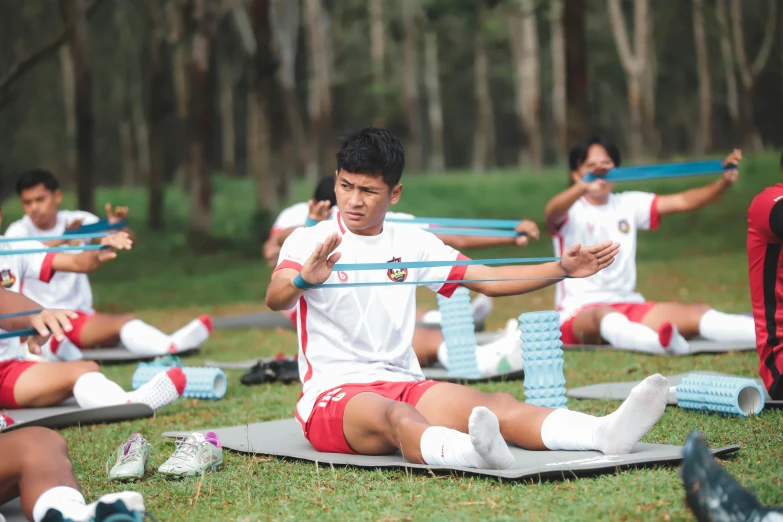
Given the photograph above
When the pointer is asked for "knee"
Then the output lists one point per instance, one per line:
(502, 404)
(401, 417)
(81, 367)
(41, 447)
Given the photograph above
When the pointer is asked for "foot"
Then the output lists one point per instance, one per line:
(618, 432)
(481, 306)
(194, 455)
(124, 502)
(162, 390)
(484, 429)
(131, 459)
(192, 335)
(503, 355)
(671, 340)
(5, 421)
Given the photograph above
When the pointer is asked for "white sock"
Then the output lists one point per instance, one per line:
(192, 335)
(66, 351)
(132, 500)
(64, 499)
(623, 334)
(481, 306)
(94, 390)
(502, 355)
(484, 429)
(443, 355)
(139, 337)
(733, 328)
(431, 317)
(614, 434)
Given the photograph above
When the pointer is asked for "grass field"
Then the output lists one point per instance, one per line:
(698, 257)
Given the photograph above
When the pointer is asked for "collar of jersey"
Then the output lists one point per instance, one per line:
(345, 232)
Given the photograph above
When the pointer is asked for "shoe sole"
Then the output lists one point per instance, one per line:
(214, 467)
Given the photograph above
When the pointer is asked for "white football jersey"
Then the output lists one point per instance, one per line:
(363, 334)
(618, 220)
(296, 216)
(67, 290)
(16, 270)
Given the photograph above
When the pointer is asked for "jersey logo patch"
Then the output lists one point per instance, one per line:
(7, 278)
(623, 226)
(397, 274)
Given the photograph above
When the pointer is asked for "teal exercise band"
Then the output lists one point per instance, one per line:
(310, 222)
(20, 314)
(667, 170)
(433, 264)
(476, 232)
(15, 252)
(101, 226)
(454, 281)
(19, 333)
(504, 224)
(68, 237)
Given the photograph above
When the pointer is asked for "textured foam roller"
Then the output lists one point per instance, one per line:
(203, 383)
(730, 396)
(543, 359)
(459, 334)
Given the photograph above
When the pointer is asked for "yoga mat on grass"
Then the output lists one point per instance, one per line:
(283, 438)
(619, 391)
(698, 345)
(68, 414)
(120, 354)
(12, 511)
(254, 320)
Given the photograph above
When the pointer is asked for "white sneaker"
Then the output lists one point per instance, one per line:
(481, 306)
(194, 455)
(503, 355)
(132, 459)
(133, 501)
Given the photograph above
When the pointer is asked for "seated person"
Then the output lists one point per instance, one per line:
(606, 306)
(502, 354)
(28, 384)
(765, 270)
(39, 191)
(363, 389)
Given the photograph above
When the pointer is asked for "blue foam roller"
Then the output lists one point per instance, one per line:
(168, 361)
(729, 396)
(459, 334)
(203, 383)
(542, 356)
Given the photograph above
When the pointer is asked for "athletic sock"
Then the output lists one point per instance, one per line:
(484, 429)
(139, 337)
(94, 390)
(733, 328)
(623, 334)
(614, 434)
(64, 499)
(193, 334)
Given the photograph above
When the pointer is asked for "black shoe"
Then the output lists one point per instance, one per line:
(712, 494)
(285, 370)
(258, 374)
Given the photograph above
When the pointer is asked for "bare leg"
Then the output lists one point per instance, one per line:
(685, 317)
(32, 461)
(587, 324)
(103, 330)
(47, 384)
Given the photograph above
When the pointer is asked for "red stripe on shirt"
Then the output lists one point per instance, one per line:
(47, 270)
(303, 336)
(287, 263)
(457, 272)
(655, 218)
(340, 222)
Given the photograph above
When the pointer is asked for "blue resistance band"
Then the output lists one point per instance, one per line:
(476, 232)
(14, 252)
(668, 170)
(503, 224)
(18, 333)
(347, 267)
(299, 282)
(68, 237)
(20, 314)
(101, 226)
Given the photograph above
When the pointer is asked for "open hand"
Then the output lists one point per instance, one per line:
(319, 210)
(526, 227)
(318, 267)
(116, 214)
(48, 323)
(731, 164)
(584, 262)
(117, 241)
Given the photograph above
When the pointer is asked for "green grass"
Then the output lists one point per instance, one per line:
(699, 257)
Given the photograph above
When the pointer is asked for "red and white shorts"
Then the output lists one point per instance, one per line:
(635, 313)
(9, 374)
(324, 428)
(74, 335)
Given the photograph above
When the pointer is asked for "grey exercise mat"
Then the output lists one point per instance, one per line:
(12, 511)
(69, 413)
(619, 391)
(697, 345)
(120, 354)
(283, 438)
(254, 320)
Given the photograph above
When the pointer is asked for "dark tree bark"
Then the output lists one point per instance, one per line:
(155, 115)
(576, 71)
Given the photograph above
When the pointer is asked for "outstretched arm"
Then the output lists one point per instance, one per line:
(467, 242)
(556, 209)
(90, 261)
(696, 198)
(46, 322)
(577, 261)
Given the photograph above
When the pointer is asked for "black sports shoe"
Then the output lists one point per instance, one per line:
(285, 370)
(712, 494)
(258, 374)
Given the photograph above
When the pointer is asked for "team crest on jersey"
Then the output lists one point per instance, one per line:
(397, 274)
(7, 278)
(623, 226)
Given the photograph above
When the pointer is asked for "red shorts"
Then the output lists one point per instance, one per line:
(635, 313)
(9, 373)
(324, 428)
(74, 335)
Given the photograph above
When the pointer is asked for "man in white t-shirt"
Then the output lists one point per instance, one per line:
(28, 384)
(607, 306)
(363, 389)
(39, 191)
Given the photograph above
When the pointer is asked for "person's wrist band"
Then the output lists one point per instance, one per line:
(309, 222)
(299, 282)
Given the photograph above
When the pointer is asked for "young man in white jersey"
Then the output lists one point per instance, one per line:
(607, 307)
(29, 384)
(428, 342)
(363, 389)
(39, 191)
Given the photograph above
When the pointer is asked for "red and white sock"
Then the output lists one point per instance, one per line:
(193, 334)
(142, 338)
(94, 390)
(624, 334)
(5, 421)
(162, 390)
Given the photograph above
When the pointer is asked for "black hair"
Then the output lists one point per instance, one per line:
(372, 151)
(325, 191)
(578, 153)
(35, 177)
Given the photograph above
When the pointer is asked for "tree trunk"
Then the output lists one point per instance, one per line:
(576, 71)
(66, 68)
(155, 112)
(126, 151)
(558, 51)
(732, 98)
(320, 99)
(410, 87)
(179, 65)
(634, 62)
(227, 135)
(76, 22)
(377, 54)
(524, 42)
(648, 84)
(484, 132)
(436, 161)
(704, 137)
(259, 134)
